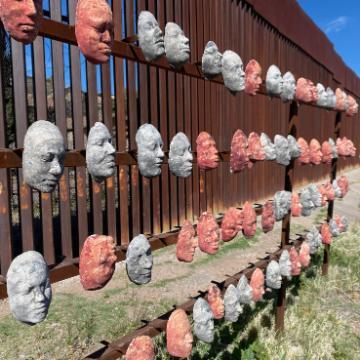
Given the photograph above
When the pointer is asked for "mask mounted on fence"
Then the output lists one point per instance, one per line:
(94, 30)
(203, 321)
(231, 303)
(327, 152)
(282, 150)
(304, 157)
(285, 264)
(150, 155)
(177, 47)
(231, 224)
(282, 204)
(294, 148)
(325, 234)
(273, 276)
(274, 81)
(268, 146)
(315, 152)
(43, 156)
(207, 153)
(331, 98)
(211, 60)
(180, 156)
(306, 91)
(314, 240)
(97, 261)
(249, 222)
(215, 301)
(100, 154)
(341, 100)
(186, 243)
(179, 338)
(208, 233)
(289, 87)
(295, 205)
(29, 288)
(233, 72)
(151, 40)
(295, 262)
(21, 18)
(257, 284)
(252, 77)
(353, 106)
(239, 159)
(304, 254)
(245, 291)
(141, 347)
(139, 260)
(268, 217)
(322, 95)
(306, 202)
(255, 149)
(343, 184)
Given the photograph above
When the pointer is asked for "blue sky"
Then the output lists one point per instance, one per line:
(340, 20)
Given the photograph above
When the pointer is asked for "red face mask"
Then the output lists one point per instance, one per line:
(207, 153)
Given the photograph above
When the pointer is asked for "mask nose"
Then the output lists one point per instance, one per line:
(56, 168)
(106, 37)
(38, 295)
(30, 9)
(110, 149)
(160, 154)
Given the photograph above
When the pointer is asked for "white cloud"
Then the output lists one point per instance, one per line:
(337, 24)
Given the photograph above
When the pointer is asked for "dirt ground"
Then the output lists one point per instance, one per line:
(177, 281)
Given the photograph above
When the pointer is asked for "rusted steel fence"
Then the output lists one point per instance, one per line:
(51, 80)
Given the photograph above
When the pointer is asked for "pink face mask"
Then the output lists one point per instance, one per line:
(94, 30)
(252, 77)
(295, 205)
(326, 234)
(306, 91)
(97, 261)
(249, 223)
(268, 217)
(239, 159)
(255, 149)
(343, 184)
(141, 347)
(304, 254)
(339, 223)
(207, 153)
(21, 19)
(208, 233)
(295, 262)
(231, 224)
(315, 152)
(257, 284)
(326, 152)
(353, 106)
(322, 190)
(186, 243)
(215, 301)
(341, 147)
(179, 338)
(304, 157)
(350, 149)
(341, 104)
(329, 191)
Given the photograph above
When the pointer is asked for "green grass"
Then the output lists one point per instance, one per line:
(322, 318)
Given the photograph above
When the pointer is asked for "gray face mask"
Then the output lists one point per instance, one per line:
(282, 150)
(322, 95)
(294, 148)
(336, 188)
(314, 239)
(176, 45)
(180, 156)
(273, 275)
(344, 220)
(43, 156)
(285, 264)
(306, 202)
(333, 148)
(211, 60)
(233, 71)
(139, 260)
(282, 204)
(150, 155)
(203, 321)
(334, 230)
(100, 154)
(29, 288)
(331, 98)
(231, 304)
(274, 81)
(244, 290)
(150, 36)
(268, 146)
(316, 196)
(289, 87)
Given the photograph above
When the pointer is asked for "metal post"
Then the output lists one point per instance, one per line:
(326, 259)
(285, 228)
